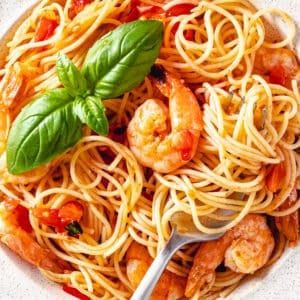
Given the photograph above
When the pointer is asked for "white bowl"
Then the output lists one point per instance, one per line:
(19, 280)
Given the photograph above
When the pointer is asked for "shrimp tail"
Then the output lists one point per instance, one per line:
(194, 283)
(202, 274)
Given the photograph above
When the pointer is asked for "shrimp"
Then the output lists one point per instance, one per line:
(22, 243)
(244, 249)
(10, 87)
(170, 286)
(280, 64)
(11, 84)
(289, 224)
(165, 138)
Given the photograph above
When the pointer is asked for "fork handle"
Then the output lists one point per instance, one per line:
(157, 267)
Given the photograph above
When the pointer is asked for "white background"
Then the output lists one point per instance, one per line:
(19, 281)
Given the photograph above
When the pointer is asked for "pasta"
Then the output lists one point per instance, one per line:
(250, 118)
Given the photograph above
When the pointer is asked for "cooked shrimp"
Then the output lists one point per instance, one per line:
(10, 87)
(165, 138)
(244, 249)
(170, 286)
(4, 121)
(11, 84)
(22, 243)
(289, 225)
(281, 65)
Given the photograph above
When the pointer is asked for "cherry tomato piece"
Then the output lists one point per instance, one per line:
(47, 216)
(77, 7)
(153, 12)
(275, 176)
(180, 9)
(278, 75)
(74, 292)
(45, 29)
(70, 212)
(23, 218)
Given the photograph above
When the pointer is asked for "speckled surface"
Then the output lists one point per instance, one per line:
(19, 281)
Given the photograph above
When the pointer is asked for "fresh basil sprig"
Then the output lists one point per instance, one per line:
(52, 123)
(120, 60)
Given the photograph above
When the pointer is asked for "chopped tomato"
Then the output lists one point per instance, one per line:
(153, 12)
(137, 11)
(45, 29)
(278, 75)
(180, 9)
(134, 12)
(133, 15)
(59, 218)
(175, 28)
(189, 35)
(70, 212)
(77, 7)
(135, 3)
(49, 217)
(11, 204)
(274, 177)
(74, 292)
(22, 215)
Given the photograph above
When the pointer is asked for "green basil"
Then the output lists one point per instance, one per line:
(52, 123)
(120, 60)
(91, 111)
(70, 77)
(45, 128)
(74, 229)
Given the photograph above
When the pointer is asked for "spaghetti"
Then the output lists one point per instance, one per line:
(251, 122)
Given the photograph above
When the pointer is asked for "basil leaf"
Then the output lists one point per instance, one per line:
(121, 59)
(69, 76)
(45, 128)
(52, 123)
(91, 111)
(74, 229)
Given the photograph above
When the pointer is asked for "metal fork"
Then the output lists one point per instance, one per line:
(183, 232)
